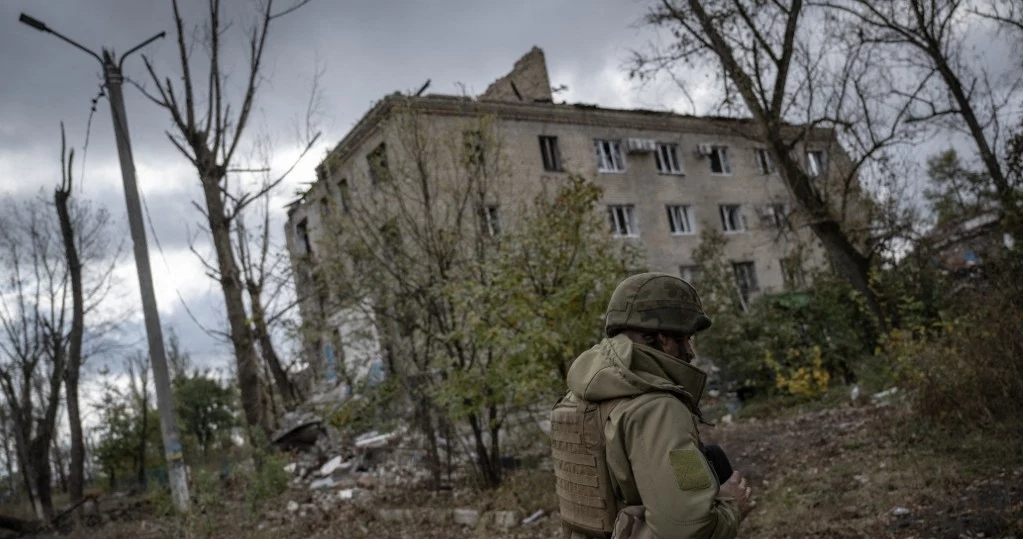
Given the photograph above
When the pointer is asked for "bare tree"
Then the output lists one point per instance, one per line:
(36, 321)
(138, 368)
(61, 196)
(929, 37)
(208, 131)
(806, 86)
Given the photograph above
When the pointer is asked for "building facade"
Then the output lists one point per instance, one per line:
(665, 178)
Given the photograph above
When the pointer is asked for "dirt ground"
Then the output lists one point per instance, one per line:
(834, 473)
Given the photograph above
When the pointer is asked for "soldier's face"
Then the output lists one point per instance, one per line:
(678, 346)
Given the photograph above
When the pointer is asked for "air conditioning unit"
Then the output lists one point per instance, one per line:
(703, 150)
(637, 145)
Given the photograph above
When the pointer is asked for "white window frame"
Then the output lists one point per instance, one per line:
(816, 163)
(491, 220)
(765, 164)
(668, 159)
(721, 152)
(550, 153)
(775, 214)
(730, 225)
(745, 282)
(622, 218)
(680, 220)
(690, 273)
(610, 158)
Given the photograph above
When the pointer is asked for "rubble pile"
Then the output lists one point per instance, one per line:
(332, 469)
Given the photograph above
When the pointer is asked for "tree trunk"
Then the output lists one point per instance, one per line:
(58, 459)
(76, 484)
(42, 477)
(141, 460)
(849, 262)
(284, 385)
(490, 475)
(244, 350)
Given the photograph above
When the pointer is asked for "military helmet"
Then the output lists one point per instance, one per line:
(656, 303)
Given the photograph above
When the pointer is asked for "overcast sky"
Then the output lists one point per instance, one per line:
(366, 48)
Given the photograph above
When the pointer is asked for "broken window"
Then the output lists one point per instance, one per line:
(473, 142)
(377, 159)
(490, 220)
(623, 220)
(792, 272)
(302, 237)
(765, 164)
(719, 162)
(745, 280)
(609, 155)
(667, 159)
(816, 162)
(679, 220)
(550, 153)
(731, 218)
(342, 195)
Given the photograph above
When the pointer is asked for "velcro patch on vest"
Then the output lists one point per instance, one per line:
(690, 473)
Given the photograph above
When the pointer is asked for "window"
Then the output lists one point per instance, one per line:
(342, 195)
(377, 159)
(792, 272)
(623, 220)
(609, 155)
(745, 280)
(667, 159)
(490, 220)
(731, 218)
(719, 163)
(473, 142)
(550, 153)
(816, 163)
(302, 237)
(774, 215)
(679, 220)
(324, 207)
(765, 164)
(690, 274)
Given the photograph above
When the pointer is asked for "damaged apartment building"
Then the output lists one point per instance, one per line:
(665, 177)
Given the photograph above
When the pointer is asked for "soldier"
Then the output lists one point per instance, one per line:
(624, 437)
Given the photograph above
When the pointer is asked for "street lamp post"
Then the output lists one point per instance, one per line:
(157, 354)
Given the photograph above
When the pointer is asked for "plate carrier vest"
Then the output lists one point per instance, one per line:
(586, 491)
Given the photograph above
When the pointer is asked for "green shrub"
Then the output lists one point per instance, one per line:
(268, 482)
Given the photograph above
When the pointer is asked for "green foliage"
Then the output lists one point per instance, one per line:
(549, 282)
(795, 342)
(205, 408)
(266, 483)
(956, 191)
(368, 408)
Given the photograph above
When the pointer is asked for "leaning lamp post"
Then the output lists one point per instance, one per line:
(157, 354)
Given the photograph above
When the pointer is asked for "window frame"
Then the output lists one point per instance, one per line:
(491, 219)
(379, 171)
(603, 157)
(342, 194)
(765, 163)
(550, 153)
(673, 157)
(630, 221)
(816, 163)
(721, 151)
(739, 220)
(302, 239)
(683, 214)
(690, 273)
(745, 293)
